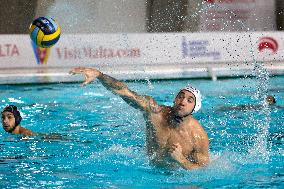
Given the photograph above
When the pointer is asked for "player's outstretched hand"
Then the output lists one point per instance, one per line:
(90, 74)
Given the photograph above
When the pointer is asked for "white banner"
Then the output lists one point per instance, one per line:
(140, 50)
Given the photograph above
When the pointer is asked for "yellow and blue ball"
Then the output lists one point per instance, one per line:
(44, 32)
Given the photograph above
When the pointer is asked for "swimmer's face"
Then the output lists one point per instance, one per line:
(184, 103)
(8, 121)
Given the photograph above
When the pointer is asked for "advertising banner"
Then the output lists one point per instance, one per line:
(140, 50)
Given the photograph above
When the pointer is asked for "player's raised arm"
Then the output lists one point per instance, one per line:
(144, 103)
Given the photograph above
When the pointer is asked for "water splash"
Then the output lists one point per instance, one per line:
(260, 149)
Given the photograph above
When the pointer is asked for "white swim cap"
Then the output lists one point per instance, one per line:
(197, 95)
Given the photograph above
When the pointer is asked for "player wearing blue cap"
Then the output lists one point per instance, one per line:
(173, 136)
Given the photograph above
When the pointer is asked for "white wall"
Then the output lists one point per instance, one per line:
(96, 16)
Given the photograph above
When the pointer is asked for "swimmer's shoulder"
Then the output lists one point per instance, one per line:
(196, 128)
(199, 136)
(154, 107)
(194, 122)
(166, 109)
(26, 132)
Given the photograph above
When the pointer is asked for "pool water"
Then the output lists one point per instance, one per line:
(98, 141)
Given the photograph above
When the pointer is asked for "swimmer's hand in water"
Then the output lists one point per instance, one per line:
(90, 74)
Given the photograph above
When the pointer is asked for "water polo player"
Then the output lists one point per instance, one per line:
(11, 120)
(173, 137)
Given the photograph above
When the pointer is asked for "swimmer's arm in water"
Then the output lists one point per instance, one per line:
(51, 136)
(145, 103)
(26, 132)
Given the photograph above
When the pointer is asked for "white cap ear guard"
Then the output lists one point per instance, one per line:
(197, 95)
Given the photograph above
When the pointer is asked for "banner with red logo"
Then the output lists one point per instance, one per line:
(143, 50)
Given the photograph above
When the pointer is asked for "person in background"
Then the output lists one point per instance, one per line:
(270, 100)
(11, 121)
(174, 138)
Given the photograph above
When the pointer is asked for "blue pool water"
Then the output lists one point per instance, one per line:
(102, 139)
